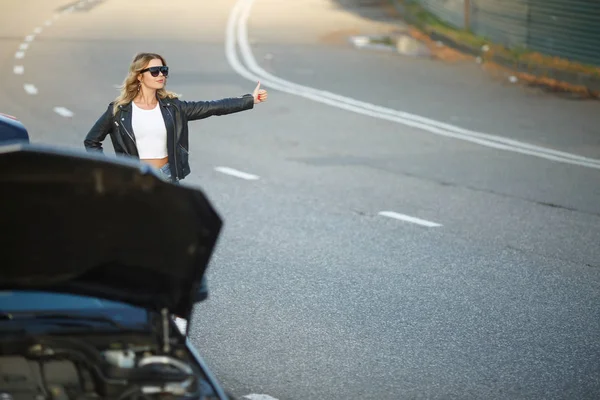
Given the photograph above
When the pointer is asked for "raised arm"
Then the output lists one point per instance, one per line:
(203, 109)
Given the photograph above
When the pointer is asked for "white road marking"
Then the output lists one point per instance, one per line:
(37, 30)
(19, 54)
(64, 112)
(56, 16)
(30, 89)
(181, 324)
(18, 69)
(258, 397)
(29, 38)
(408, 218)
(238, 19)
(48, 23)
(24, 46)
(236, 173)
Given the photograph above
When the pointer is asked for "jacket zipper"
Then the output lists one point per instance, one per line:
(124, 148)
(128, 134)
(174, 141)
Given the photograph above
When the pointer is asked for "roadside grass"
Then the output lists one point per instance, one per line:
(431, 23)
(536, 66)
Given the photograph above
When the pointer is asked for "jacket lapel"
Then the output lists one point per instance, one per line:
(125, 121)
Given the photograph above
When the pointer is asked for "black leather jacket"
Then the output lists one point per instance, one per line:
(176, 114)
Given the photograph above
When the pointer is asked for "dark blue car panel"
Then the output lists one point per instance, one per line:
(13, 302)
(12, 130)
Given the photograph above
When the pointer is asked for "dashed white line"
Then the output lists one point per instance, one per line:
(37, 30)
(30, 89)
(408, 218)
(23, 46)
(56, 16)
(19, 54)
(29, 38)
(236, 173)
(18, 69)
(64, 112)
(48, 23)
(258, 397)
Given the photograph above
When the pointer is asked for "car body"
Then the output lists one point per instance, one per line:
(12, 130)
(99, 254)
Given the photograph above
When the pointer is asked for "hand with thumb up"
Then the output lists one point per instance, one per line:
(259, 94)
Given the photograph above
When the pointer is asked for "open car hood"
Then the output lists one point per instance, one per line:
(88, 224)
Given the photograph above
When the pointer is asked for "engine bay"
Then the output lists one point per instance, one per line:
(96, 366)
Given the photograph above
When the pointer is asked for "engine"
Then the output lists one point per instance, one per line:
(67, 368)
(21, 378)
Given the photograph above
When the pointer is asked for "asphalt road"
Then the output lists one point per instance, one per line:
(314, 294)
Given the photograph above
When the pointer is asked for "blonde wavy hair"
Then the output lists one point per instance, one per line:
(129, 87)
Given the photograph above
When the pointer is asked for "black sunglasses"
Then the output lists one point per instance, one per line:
(155, 70)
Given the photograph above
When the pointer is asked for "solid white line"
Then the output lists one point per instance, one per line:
(19, 54)
(18, 69)
(29, 38)
(230, 50)
(236, 173)
(405, 118)
(37, 30)
(258, 397)
(239, 17)
(30, 89)
(24, 46)
(408, 218)
(64, 112)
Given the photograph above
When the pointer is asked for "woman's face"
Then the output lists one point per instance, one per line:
(153, 82)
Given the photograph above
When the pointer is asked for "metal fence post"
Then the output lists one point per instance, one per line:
(467, 15)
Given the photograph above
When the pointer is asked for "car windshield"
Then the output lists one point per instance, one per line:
(14, 302)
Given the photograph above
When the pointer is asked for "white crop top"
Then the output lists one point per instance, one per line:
(150, 132)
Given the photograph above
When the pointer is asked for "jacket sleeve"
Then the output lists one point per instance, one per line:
(194, 110)
(96, 135)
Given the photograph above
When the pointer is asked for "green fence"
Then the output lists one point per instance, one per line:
(568, 29)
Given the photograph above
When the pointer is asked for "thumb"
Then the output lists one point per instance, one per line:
(257, 87)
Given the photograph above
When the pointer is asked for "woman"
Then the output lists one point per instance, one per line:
(148, 122)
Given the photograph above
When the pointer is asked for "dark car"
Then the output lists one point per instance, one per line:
(12, 130)
(98, 256)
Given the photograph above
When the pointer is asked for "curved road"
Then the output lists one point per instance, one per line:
(395, 227)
